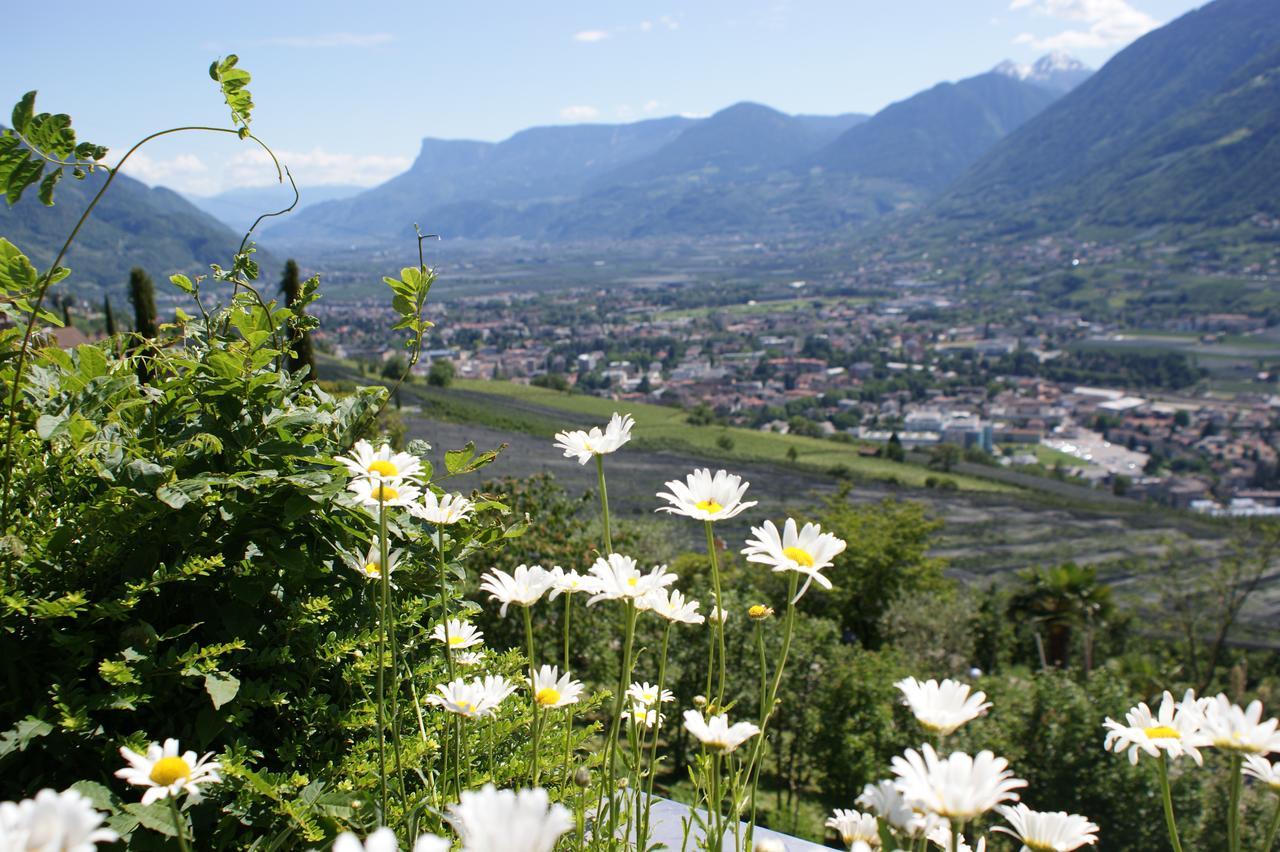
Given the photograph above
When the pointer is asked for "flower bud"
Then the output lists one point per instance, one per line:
(768, 844)
(624, 783)
(699, 701)
(582, 777)
(759, 612)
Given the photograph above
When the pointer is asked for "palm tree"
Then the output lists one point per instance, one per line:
(1060, 601)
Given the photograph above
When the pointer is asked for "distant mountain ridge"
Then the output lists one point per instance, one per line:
(239, 208)
(746, 168)
(1180, 126)
(1056, 71)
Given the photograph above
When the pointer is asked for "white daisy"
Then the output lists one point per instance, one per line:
(673, 606)
(1259, 767)
(716, 733)
(1232, 728)
(552, 689)
(705, 497)
(382, 463)
(1174, 730)
(587, 445)
(718, 615)
(165, 772)
(1048, 831)
(496, 690)
(886, 801)
(472, 700)
(958, 787)
(523, 587)
(469, 658)
(384, 840)
(806, 551)
(373, 493)
(462, 634)
(853, 827)
(491, 820)
(617, 577)
(942, 707)
(645, 717)
(441, 511)
(940, 833)
(570, 583)
(370, 567)
(759, 612)
(647, 694)
(53, 822)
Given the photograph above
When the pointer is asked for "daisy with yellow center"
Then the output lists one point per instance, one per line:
(759, 612)
(586, 445)
(442, 510)
(1055, 831)
(617, 577)
(704, 497)
(373, 493)
(716, 734)
(382, 463)
(552, 689)
(369, 566)
(806, 550)
(460, 634)
(943, 707)
(165, 771)
(1237, 729)
(1174, 731)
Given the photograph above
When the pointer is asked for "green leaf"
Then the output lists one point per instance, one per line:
(98, 795)
(21, 735)
(455, 461)
(183, 283)
(47, 185)
(221, 688)
(156, 817)
(233, 82)
(22, 112)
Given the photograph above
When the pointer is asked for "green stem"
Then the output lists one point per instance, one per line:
(752, 771)
(179, 824)
(720, 622)
(444, 602)
(533, 695)
(1272, 826)
(382, 650)
(604, 504)
(1233, 815)
(568, 721)
(395, 695)
(609, 780)
(957, 828)
(657, 730)
(766, 711)
(1167, 797)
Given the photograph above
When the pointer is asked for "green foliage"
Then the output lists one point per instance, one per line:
(233, 82)
(142, 295)
(441, 373)
(297, 296)
(36, 142)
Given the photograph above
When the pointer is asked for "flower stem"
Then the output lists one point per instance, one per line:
(604, 505)
(1169, 822)
(1233, 815)
(764, 709)
(382, 650)
(1272, 826)
(568, 720)
(720, 622)
(767, 701)
(448, 660)
(609, 780)
(533, 695)
(653, 747)
(957, 828)
(178, 824)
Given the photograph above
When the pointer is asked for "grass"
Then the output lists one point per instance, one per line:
(659, 427)
(1047, 456)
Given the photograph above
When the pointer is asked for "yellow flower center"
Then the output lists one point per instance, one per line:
(373, 569)
(759, 611)
(465, 707)
(384, 493)
(709, 506)
(455, 639)
(169, 770)
(382, 467)
(632, 581)
(799, 556)
(547, 696)
(1162, 732)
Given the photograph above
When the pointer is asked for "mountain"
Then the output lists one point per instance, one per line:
(456, 182)
(1057, 71)
(1181, 126)
(238, 208)
(133, 225)
(929, 139)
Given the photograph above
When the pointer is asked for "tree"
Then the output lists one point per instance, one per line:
(394, 367)
(944, 457)
(893, 451)
(142, 295)
(441, 373)
(110, 316)
(302, 353)
(1062, 600)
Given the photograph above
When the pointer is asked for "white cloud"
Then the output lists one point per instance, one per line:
(669, 22)
(332, 40)
(185, 172)
(1101, 23)
(314, 168)
(650, 106)
(590, 36)
(645, 26)
(579, 112)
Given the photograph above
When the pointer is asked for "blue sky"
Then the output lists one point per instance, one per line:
(347, 90)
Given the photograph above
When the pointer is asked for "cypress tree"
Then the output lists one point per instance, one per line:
(142, 295)
(111, 317)
(66, 311)
(299, 341)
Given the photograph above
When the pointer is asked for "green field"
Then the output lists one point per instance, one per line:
(659, 427)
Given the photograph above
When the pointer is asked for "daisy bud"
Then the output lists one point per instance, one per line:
(768, 844)
(699, 701)
(582, 777)
(623, 783)
(759, 612)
